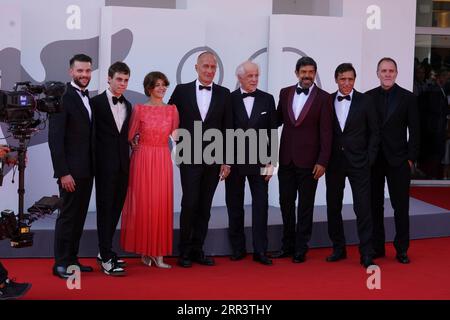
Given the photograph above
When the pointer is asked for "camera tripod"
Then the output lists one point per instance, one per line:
(24, 237)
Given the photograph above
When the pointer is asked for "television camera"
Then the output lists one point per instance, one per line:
(19, 107)
(22, 110)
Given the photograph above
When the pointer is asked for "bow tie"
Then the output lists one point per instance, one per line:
(204, 87)
(120, 99)
(248, 94)
(305, 91)
(347, 97)
(84, 93)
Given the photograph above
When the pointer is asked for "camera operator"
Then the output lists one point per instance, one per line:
(8, 288)
(71, 141)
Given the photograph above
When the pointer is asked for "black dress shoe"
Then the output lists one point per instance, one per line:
(366, 261)
(84, 268)
(402, 258)
(337, 255)
(281, 254)
(379, 254)
(262, 258)
(61, 271)
(236, 256)
(204, 260)
(184, 262)
(299, 257)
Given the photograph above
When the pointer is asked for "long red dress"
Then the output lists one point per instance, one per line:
(147, 217)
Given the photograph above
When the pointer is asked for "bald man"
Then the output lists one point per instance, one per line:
(200, 102)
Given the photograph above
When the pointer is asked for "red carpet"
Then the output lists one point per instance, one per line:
(438, 196)
(425, 278)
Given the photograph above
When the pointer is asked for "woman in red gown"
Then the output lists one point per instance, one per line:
(147, 218)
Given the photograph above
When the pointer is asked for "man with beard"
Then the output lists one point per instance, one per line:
(307, 115)
(71, 142)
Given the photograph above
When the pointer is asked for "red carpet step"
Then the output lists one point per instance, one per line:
(438, 196)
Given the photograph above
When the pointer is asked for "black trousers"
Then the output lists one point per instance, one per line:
(3, 273)
(198, 182)
(111, 190)
(70, 222)
(359, 179)
(398, 181)
(292, 181)
(234, 195)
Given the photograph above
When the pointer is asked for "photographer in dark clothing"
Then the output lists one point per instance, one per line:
(8, 288)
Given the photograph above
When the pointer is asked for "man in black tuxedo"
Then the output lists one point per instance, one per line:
(253, 112)
(71, 140)
(356, 138)
(306, 113)
(112, 115)
(397, 115)
(204, 103)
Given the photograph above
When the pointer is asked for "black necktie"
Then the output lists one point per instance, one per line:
(347, 97)
(119, 99)
(248, 94)
(204, 87)
(84, 93)
(300, 90)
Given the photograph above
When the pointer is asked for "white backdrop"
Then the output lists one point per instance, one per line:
(162, 37)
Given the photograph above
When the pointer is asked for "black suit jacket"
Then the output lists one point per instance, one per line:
(71, 138)
(219, 114)
(263, 117)
(111, 145)
(403, 117)
(359, 140)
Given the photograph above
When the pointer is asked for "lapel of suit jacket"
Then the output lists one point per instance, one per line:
(354, 104)
(257, 103)
(335, 118)
(239, 109)
(127, 118)
(213, 101)
(80, 105)
(307, 106)
(193, 96)
(107, 110)
(394, 103)
(290, 96)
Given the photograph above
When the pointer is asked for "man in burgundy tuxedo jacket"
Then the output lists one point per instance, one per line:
(307, 115)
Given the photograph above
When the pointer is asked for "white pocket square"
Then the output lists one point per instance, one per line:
(264, 112)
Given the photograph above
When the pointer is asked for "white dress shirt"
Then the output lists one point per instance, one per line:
(203, 99)
(119, 111)
(84, 99)
(299, 101)
(248, 102)
(342, 108)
